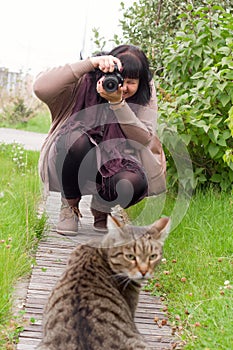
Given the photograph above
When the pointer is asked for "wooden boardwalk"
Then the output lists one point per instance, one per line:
(51, 258)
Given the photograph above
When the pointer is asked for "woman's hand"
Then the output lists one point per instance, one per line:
(106, 63)
(112, 97)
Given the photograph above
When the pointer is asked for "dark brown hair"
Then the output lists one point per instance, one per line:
(136, 66)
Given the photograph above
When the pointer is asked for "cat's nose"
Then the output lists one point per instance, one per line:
(143, 272)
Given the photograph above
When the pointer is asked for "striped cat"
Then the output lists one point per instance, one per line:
(92, 307)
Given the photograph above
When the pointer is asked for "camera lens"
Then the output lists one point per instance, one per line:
(110, 83)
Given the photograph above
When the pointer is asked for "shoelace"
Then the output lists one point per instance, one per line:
(77, 212)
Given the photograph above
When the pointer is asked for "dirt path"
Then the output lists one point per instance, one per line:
(30, 140)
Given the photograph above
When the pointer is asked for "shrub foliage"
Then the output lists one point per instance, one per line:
(196, 91)
(192, 58)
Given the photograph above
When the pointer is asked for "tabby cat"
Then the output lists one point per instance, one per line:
(92, 307)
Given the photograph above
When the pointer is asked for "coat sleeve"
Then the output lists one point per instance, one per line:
(54, 82)
(140, 127)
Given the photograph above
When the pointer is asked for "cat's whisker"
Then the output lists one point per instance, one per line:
(126, 284)
(117, 275)
(125, 281)
(122, 278)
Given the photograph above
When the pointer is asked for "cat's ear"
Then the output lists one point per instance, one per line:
(161, 229)
(115, 236)
(116, 221)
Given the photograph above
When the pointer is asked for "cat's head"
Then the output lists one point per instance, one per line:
(134, 251)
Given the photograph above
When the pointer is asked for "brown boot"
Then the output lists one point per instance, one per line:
(100, 220)
(69, 217)
(100, 211)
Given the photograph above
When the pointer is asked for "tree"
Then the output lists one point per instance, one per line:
(152, 24)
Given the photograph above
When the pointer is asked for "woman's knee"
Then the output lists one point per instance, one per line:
(126, 188)
(80, 147)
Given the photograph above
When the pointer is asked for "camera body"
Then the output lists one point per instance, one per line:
(112, 80)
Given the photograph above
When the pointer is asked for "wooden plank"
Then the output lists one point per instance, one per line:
(51, 260)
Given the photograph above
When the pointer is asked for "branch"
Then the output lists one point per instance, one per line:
(159, 12)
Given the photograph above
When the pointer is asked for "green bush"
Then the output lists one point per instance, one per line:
(195, 93)
(17, 111)
(152, 24)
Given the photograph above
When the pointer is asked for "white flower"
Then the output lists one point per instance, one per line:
(226, 283)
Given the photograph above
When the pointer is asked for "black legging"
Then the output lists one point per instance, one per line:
(124, 188)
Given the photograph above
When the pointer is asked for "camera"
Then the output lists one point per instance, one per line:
(112, 80)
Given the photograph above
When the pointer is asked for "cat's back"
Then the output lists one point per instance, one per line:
(86, 306)
(86, 277)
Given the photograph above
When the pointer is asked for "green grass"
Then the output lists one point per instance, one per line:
(195, 279)
(39, 123)
(20, 227)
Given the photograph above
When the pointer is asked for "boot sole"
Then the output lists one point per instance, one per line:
(67, 233)
(103, 230)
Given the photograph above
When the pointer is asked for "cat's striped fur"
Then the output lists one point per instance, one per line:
(92, 306)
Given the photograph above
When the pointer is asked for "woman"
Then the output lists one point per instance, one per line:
(100, 141)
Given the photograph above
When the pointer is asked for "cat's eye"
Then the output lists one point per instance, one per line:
(153, 256)
(130, 257)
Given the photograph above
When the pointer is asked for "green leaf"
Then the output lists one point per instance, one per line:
(229, 41)
(180, 35)
(208, 62)
(186, 138)
(213, 150)
(189, 7)
(200, 124)
(227, 74)
(198, 171)
(227, 61)
(213, 135)
(205, 140)
(197, 75)
(221, 142)
(216, 178)
(231, 112)
(202, 178)
(200, 84)
(224, 50)
(230, 92)
(217, 7)
(200, 26)
(196, 62)
(198, 51)
(222, 86)
(226, 134)
(225, 99)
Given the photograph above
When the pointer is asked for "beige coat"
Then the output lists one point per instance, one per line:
(59, 89)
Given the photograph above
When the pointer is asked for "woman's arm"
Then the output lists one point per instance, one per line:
(140, 127)
(53, 82)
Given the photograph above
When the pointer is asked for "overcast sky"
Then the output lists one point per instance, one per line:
(35, 35)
